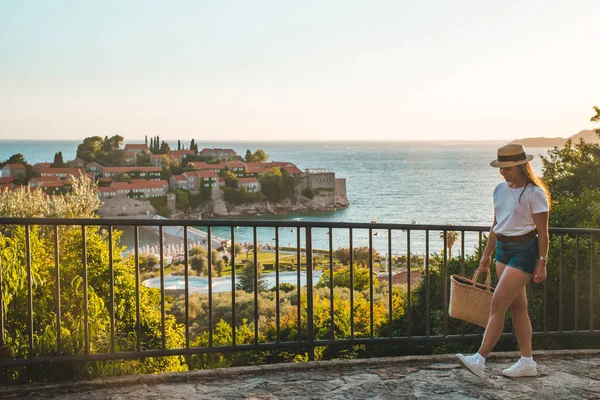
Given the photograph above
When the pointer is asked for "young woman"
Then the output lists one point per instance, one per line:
(520, 235)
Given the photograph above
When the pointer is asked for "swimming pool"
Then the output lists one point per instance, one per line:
(199, 284)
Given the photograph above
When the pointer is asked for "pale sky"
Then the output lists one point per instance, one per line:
(301, 70)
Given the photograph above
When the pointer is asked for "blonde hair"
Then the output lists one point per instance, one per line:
(532, 178)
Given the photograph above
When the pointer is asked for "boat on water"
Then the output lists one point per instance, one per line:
(374, 220)
(297, 219)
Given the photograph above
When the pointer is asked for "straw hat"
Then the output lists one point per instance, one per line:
(511, 155)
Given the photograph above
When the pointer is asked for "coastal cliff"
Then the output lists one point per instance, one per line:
(217, 207)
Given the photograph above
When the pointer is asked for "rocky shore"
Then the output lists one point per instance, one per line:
(217, 208)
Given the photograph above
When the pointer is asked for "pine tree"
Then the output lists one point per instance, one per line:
(58, 160)
(178, 145)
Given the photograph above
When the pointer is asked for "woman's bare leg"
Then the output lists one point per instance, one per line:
(511, 285)
(520, 317)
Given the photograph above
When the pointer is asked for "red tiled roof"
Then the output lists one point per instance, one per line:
(42, 165)
(6, 179)
(131, 169)
(292, 170)
(146, 184)
(56, 171)
(217, 151)
(51, 184)
(105, 189)
(180, 178)
(129, 154)
(136, 146)
(235, 164)
(254, 170)
(182, 152)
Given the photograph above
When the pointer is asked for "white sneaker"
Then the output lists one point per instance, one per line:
(475, 364)
(521, 368)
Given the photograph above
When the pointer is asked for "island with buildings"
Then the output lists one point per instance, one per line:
(148, 179)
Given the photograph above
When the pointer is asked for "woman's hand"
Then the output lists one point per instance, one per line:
(484, 264)
(539, 274)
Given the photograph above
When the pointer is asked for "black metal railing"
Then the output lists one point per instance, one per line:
(423, 315)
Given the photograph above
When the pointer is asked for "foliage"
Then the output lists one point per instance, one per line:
(451, 238)
(199, 264)
(148, 262)
(182, 199)
(341, 278)
(157, 202)
(58, 160)
(308, 193)
(360, 255)
(80, 203)
(241, 196)
(258, 156)
(231, 179)
(247, 277)
(277, 186)
(90, 148)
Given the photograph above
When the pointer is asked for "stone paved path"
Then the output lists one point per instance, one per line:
(563, 375)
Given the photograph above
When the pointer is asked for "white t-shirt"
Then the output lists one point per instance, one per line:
(514, 217)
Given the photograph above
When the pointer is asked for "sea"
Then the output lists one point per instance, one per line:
(407, 182)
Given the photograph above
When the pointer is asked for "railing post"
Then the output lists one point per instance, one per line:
(309, 295)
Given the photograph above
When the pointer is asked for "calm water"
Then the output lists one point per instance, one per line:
(401, 182)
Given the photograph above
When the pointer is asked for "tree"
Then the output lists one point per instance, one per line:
(276, 186)
(260, 156)
(58, 160)
(451, 238)
(178, 145)
(198, 251)
(148, 262)
(164, 148)
(231, 179)
(199, 264)
(246, 278)
(249, 156)
(89, 149)
(219, 265)
(237, 249)
(214, 256)
(116, 141)
(596, 118)
(15, 159)
(182, 199)
(250, 247)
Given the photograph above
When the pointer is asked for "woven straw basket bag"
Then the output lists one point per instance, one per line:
(469, 300)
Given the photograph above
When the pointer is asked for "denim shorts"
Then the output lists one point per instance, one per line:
(520, 255)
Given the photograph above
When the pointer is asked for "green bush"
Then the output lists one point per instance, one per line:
(158, 202)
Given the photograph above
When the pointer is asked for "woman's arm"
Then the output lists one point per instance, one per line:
(486, 257)
(541, 225)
